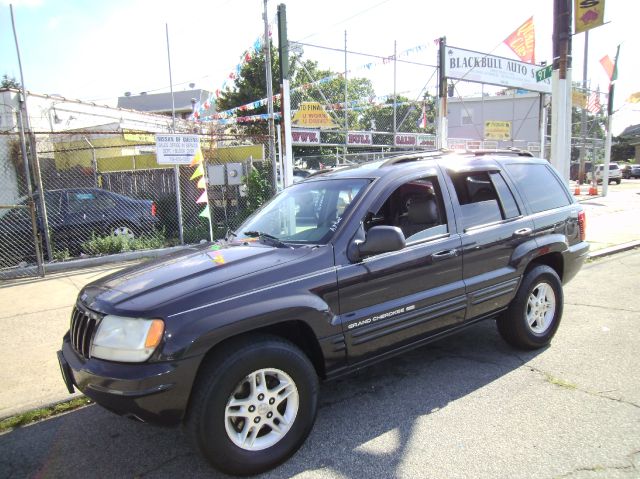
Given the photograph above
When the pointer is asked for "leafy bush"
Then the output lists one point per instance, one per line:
(118, 244)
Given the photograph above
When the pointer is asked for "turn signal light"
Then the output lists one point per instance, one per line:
(155, 334)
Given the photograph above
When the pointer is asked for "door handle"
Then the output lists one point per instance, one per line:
(522, 232)
(440, 255)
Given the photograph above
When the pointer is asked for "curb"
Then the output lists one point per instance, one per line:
(601, 253)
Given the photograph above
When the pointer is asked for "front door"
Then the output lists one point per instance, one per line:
(394, 299)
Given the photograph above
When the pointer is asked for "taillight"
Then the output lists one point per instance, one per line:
(154, 209)
(582, 224)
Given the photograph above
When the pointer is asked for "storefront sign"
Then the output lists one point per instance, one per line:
(359, 138)
(483, 68)
(172, 149)
(497, 130)
(305, 137)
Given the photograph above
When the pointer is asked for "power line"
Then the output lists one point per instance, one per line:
(380, 57)
(347, 19)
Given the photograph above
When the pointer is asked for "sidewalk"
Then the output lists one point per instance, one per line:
(34, 313)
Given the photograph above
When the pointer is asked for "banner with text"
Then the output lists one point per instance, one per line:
(172, 149)
(497, 130)
(305, 137)
(493, 70)
(355, 138)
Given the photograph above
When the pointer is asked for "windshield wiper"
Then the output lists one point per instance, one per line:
(230, 234)
(266, 238)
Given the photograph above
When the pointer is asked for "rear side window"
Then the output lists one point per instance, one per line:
(541, 188)
(484, 198)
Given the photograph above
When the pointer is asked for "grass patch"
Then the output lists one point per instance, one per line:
(559, 382)
(42, 413)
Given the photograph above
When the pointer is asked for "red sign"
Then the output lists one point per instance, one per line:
(359, 138)
(305, 137)
(405, 139)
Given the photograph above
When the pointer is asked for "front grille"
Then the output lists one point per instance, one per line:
(83, 327)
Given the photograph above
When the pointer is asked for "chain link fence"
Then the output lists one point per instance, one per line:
(105, 193)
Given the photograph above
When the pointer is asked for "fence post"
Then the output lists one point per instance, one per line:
(27, 175)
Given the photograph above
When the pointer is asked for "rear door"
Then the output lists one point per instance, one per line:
(492, 226)
(394, 299)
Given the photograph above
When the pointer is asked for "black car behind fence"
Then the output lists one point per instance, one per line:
(100, 200)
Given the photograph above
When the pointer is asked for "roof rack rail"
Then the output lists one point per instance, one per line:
(328, 170)
(504, 151)
(417, 156)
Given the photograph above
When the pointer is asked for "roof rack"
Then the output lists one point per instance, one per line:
(328, 170)
(417, 156)
(505, 151)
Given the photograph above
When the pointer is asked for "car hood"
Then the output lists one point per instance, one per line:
(145, 288)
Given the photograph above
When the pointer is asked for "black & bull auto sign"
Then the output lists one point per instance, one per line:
(483, 68)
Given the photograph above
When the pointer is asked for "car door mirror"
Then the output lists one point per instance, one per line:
(379, 239)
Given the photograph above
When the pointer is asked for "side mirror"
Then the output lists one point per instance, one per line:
(379, 239)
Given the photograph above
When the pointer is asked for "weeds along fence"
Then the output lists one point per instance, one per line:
(105, 193)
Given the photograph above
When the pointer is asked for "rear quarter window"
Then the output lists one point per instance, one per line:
(540, 187)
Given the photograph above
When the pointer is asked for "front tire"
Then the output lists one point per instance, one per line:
(534, 315)
(253, 405)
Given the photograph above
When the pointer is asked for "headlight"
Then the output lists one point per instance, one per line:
(131, 340)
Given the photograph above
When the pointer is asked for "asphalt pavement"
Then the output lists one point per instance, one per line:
(466, 406)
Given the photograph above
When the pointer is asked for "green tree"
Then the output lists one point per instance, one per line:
(9, 82)
(409, 114)
(621, 149)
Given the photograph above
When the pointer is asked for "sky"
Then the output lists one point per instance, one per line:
(96, 51)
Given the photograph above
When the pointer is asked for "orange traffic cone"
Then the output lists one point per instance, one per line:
(576, 192)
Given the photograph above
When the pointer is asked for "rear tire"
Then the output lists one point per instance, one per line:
(253, 405)
(534, 315)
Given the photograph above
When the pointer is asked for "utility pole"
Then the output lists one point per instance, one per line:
(346, 98)
(395, 130)
(583, 116)
(36, 164)
(441, 132)
(269, 78)
(176, 168)
(285, 97)
(561, 88)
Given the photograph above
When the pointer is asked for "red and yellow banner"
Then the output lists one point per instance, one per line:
(588, 14)
(523, 41)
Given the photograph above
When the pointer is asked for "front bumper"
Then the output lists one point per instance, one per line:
(157, 393)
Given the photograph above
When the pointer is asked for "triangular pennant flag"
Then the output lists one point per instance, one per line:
(199, 172)
(201, 184)
(197, 159)
(205, 213)
(203, 198)
(523, 41)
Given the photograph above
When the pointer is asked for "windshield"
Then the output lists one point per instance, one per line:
(307, 212)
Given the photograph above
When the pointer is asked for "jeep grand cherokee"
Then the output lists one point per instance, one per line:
(334, 273)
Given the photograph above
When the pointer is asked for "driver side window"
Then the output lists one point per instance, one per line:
(416, 208)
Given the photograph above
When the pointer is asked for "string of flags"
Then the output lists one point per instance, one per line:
(199, 175)
(247, 56)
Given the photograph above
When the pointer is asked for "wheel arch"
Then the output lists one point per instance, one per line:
(552, 259)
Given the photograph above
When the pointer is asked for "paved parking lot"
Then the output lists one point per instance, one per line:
(467, 406)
